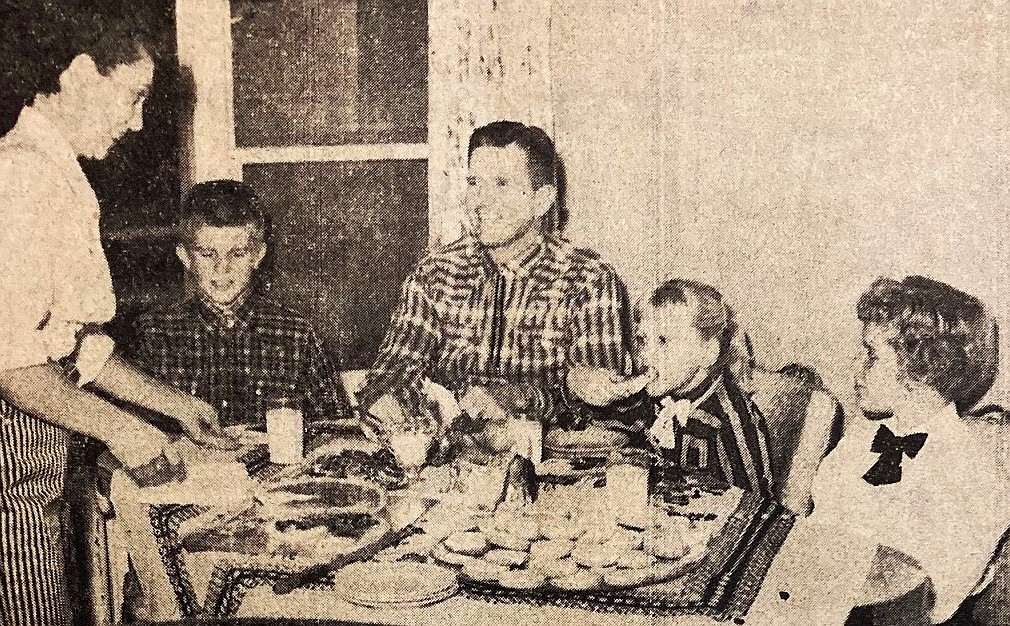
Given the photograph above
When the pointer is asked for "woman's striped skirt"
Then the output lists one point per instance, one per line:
(33, 459)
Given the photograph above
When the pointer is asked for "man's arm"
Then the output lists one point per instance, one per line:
(325, 397)
(411, 342)
(598, 338)
(597, 346)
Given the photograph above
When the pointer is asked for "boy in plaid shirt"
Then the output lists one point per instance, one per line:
(228, 344)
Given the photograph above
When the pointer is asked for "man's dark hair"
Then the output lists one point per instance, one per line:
(944, 337)
(541, 156)
(39, 39)
(221, 203)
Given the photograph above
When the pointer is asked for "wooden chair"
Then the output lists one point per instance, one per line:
(804, 423)
(992, 600)
(87, 546)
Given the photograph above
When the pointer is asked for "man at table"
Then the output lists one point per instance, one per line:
(511, 300)
(228, 344)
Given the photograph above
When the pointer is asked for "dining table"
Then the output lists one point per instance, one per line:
(219, 586)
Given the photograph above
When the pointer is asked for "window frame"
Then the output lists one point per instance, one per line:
(208, 149)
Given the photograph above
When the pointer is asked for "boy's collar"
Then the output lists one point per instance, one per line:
(234, 313)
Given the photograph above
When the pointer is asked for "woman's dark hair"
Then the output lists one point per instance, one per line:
(40, 38)
(944, 337)
(541, 156)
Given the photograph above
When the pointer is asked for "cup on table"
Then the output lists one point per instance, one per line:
(529, 438)
(628, 489)
(410, 446)
(285, 432)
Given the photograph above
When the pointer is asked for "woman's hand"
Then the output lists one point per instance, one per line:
(600, 387)
(147, 454)
(200, 422)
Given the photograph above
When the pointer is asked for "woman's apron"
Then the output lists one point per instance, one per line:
(33, 460)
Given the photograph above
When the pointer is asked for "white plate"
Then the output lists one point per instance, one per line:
(379, 584)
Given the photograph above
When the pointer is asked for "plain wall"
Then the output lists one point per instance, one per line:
(789, 153)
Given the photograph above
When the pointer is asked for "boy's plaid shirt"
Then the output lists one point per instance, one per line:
(462, 320)
(242, 362)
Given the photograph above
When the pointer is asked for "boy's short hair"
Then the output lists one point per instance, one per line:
(221, 203)
(541, 155)
(945, 337)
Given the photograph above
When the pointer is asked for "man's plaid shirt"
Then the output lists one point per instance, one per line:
(463, 320)
(241, 363)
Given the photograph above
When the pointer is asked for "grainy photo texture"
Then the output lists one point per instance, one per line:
(464, 312)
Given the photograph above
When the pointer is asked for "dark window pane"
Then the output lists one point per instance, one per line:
(330, 72)
(344, 237)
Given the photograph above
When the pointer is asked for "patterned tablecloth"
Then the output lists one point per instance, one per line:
(723, 584)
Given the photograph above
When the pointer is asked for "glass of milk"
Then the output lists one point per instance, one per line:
(285, 432)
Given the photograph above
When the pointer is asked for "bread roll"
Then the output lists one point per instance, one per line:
(473, 543)
(581, 580)
(627, 577)
(522, 579)
(551, 550)
(635, 559)
(595, 556)
(506, 539)
(556, 569)
(443, 555)
(507, 558)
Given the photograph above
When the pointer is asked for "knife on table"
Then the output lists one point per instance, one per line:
(315, 572)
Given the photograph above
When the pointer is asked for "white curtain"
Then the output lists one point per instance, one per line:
(489, 60)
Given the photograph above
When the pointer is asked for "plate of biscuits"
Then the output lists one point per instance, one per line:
(528, 550)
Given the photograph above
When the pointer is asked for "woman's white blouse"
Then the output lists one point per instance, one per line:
(948, 511)
(54, 277)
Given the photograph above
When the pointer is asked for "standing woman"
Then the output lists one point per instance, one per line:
(90, 81)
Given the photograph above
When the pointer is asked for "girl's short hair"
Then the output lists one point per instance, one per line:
(945, 337)
(712, 317)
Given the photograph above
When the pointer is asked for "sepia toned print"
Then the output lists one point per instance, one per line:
(504, 311)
